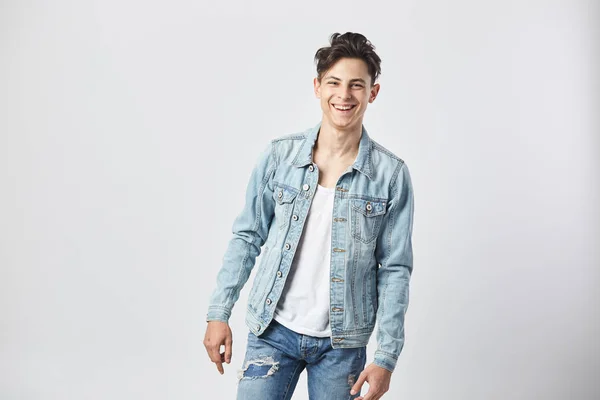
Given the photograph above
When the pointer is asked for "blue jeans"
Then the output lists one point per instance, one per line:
(275, 359)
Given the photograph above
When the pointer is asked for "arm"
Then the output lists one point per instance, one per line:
(250, 230)
(394, 254)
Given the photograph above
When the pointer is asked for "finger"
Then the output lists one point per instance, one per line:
(358, 384)
(213, 353)
(220, 367)
(228, 349)
(215, 356)
(372, 394)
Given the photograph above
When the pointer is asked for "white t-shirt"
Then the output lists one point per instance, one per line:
(304, 303)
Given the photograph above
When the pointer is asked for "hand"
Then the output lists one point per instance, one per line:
(378, 379)
(217, 334)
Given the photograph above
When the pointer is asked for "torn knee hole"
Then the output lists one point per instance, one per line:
(259, 368)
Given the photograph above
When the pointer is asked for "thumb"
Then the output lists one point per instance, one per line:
(358, 384)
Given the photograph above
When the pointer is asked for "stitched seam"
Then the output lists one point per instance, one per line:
(220, 308)
(258, 209)
(386, 354)
(287, 386)
(304, 137)
(381, 149)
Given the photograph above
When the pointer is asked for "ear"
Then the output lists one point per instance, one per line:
(317, 87)
(374, 92)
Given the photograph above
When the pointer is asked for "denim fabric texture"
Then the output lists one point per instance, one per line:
(275, 360)
(371, 243)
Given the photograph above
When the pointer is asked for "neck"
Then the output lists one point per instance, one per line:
(338, 143)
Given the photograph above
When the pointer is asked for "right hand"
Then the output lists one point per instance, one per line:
(217, 334)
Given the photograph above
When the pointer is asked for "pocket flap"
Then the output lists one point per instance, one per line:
(284, 194)
(369, 208)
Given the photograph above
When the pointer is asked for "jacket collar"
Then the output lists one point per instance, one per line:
(363, 162)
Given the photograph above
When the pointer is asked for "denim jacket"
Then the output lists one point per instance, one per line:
(371, 246)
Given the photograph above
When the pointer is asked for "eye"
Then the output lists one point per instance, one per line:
(332, 83)
(357, 85)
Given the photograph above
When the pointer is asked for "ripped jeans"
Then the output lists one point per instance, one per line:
(275, 359)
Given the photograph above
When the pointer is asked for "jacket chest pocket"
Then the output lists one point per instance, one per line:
(284, 202)
(367, 216)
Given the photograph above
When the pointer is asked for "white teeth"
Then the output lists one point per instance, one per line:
(342, 107)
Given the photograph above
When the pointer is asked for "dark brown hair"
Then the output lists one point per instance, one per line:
(350, 45)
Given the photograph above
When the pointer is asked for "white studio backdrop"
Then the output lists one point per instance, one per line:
(128, 131)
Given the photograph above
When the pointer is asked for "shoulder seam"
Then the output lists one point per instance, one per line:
(383, 150)
(290, 136)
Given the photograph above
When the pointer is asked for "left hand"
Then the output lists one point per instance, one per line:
(378, 379)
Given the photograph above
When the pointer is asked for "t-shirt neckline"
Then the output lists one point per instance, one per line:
(329, 190)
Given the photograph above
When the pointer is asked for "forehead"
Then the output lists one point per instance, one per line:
(348, 68)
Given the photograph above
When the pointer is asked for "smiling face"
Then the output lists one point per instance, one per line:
(345, 91)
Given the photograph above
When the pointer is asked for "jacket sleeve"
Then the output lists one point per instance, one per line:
(394, 254)
(250, 230)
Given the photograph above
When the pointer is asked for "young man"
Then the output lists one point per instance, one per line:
(334, 211)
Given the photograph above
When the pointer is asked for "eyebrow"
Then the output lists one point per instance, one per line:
(351, 80)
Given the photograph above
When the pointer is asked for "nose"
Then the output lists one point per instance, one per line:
(344, 93)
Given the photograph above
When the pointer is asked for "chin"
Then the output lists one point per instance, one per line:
(343, 125)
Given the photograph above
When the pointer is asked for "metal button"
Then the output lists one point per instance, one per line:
(258, 327)
(279, 274)
(305, 186)
(287, 246)
(369, 207)
(295, 217)
(280, 194)
(311, 168)
(268, 301)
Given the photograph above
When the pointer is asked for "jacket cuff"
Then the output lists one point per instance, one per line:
(385, 360)
(218, 313)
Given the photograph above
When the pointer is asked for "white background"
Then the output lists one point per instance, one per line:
(128, 131)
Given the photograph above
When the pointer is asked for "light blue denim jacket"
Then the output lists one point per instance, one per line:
(371, 247)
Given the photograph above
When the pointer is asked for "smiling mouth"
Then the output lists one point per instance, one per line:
(344, 108)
